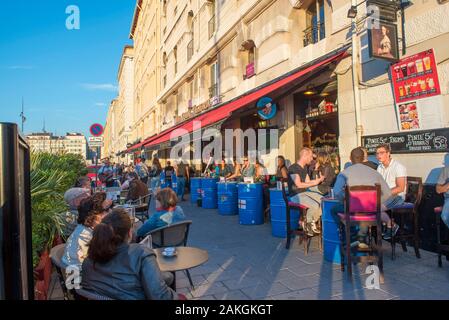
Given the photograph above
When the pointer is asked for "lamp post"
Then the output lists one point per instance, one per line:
(352, 13)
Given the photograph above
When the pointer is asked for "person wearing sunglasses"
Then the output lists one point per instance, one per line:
(248, 169)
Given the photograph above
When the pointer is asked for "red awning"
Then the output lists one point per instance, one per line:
(225, 110)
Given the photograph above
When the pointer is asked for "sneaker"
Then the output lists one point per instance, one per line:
(314, 228)
(363, 246)
(390, 232)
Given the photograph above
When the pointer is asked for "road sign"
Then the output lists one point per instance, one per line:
(96, 144)
(96, 129)
(95, 139)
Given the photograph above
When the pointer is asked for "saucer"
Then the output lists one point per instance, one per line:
(169, 255)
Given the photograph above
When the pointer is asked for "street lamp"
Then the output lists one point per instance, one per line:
(352, 12)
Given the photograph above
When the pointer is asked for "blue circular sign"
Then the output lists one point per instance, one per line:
(96, 129)
(266, 108)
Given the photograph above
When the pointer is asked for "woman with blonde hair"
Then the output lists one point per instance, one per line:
(323, 167)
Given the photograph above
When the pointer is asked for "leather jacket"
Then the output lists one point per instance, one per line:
(132, 274)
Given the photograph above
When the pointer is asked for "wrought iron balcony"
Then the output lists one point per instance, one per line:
(314, 34)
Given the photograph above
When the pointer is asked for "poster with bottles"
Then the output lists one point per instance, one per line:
(417, 92)
(415, 77)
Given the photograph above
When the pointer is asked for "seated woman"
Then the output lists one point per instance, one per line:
(119, 270)
(237, 175)
(90, 212)
(323, 167)
(167, 212)
(137, 189)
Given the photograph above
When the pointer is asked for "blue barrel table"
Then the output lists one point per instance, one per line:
(168, 183)
(250, 202)
(331, 239)
(227, 198)
(279, 215)
(195, 189)
(209, 193)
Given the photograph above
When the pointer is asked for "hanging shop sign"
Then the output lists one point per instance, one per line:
(383, 10)
(266, 108)
(424, 141)
(383, 41)
(197, 109)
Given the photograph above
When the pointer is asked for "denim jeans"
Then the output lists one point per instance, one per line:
(181, 187)
(445, 212)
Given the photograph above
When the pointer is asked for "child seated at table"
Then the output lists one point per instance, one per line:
(167, 212)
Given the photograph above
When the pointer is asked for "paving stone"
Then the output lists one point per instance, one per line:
(366, 294)
(264, 290)
(299, 283)
(209, 289)
(306, 294)
(244, 282)
(204, 298)
(184, 282)
(231, 295)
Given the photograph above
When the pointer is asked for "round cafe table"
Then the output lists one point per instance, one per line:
(186, 258)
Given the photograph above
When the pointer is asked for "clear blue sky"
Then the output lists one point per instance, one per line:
(68, 77)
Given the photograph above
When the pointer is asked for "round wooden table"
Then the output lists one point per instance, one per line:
(185, 259)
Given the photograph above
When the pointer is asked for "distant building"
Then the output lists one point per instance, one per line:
(74, 143)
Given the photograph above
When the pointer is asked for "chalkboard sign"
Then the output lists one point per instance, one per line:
(411, 142)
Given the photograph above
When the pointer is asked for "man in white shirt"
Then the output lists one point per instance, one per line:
(395, 174)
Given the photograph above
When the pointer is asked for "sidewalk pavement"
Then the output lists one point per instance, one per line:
(247, 263)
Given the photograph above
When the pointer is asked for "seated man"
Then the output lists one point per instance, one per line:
(356, 175)
(395, 174)
(443, 187)
(298, 183)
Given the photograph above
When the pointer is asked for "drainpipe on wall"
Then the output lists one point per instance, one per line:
(355, 78)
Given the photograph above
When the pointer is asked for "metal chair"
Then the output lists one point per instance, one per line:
(56, 257)
(409, 209)
(173, 235)
(362, 208)
(142, 207)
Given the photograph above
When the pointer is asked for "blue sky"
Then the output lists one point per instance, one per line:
(67, 77)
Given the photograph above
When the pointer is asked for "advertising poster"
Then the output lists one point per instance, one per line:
(417, 92)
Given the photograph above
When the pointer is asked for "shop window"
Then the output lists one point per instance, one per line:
(315, 22)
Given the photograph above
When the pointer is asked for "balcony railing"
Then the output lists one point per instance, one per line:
(190, 50)
(213, 91)
(211, 26)
(314, 34)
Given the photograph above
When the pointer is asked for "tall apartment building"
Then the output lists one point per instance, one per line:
(74, 143)
(220, 60)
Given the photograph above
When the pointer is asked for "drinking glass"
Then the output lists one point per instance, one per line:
(427, 64)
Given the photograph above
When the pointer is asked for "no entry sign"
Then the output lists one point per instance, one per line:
(96, 129)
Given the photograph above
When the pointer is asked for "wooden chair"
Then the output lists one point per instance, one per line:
(56, 257)
(408, 211)
(173, 235)
(441, 247)
(303, 236)
(362, 208)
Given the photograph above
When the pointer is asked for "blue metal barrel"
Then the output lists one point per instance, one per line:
(209, 193)
(227, 198)
(331, 239)
(278, 215)
(250, 201)
(195, 189)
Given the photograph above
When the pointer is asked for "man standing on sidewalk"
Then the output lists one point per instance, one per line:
(182, 173)
(142, 170)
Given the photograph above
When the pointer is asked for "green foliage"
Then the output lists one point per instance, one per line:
(51, 176)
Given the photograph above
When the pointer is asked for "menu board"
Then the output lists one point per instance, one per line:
(415, 77)
(412, 142)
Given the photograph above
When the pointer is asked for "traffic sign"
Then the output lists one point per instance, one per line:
(96, 129)
(95, 139)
